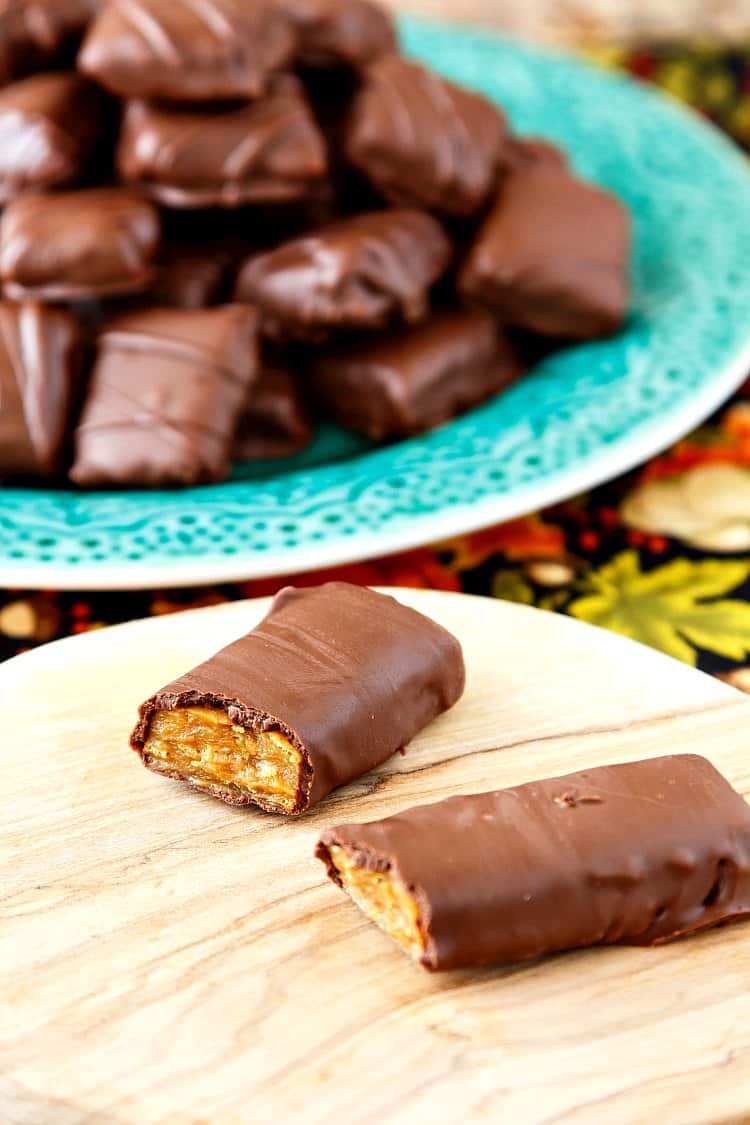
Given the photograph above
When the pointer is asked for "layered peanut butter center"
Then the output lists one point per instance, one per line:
(383, 898)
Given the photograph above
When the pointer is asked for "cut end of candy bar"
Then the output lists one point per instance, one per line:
(205, 747)
(380, 895)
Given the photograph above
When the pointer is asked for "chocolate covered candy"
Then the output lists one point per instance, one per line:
(332, 683)
(552, 255)
(275, 421)
(636, 854)
(187, 51)
(49, 127)
(166, 393)
(424, 141)
(340, 32)
(76, 245)
(416, 378)
(40, 33)
(358, 273)
(40, 359)
(266, 151)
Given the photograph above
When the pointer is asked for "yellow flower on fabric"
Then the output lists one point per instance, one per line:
(666, 608)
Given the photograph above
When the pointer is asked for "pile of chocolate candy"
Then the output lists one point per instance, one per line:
(223, 217)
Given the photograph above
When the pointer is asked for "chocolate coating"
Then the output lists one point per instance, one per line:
(340, 32)
(358, 273)
(49, 125)
(76, 245)
(636, 854)
(347, 675)
(187, 51)
(424, 141)
(552, 255)
(276, 421)
(268, 150)
(40, 354)
(166, 394)
(40, 33)
(416, 378)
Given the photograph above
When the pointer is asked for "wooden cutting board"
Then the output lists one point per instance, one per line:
(166, 959)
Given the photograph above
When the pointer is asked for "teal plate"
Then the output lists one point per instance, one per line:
(580, 418)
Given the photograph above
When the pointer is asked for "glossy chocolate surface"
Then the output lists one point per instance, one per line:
(49, 127)
(414, 379)
(79, 244)
(166, 393)
(40, 357)
(423, 141)
(635, 854)
(276, 421)
(552, 255)
(183, 51)
(347, 675)
(358, 273)
(268, 150)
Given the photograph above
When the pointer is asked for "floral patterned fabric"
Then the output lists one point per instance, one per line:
(661, 555)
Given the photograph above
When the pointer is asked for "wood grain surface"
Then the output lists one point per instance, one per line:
(165, 959)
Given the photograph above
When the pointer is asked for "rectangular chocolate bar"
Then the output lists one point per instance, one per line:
(166, 393)
(357, 273)
(275, 421)
(76, 245)
(41, 351)
(333, 682)
(423, 141)
(636, 854)
(416, 378)
(263, 152)
(552, 255)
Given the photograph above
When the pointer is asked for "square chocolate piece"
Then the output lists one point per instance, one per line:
(49, 127)
(423, 141)
(266, 151)
(77, 245)
(552, 255)
(183, 51)
(348, 33)
(40, 365)
(166, 394)
(357, 273)
(417, 378)
(275, 421)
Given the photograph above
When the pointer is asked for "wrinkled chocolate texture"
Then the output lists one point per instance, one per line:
(183, 51)
(78, 245)
(166, 394)
(40, 359)
(262, 152)
(423, 141)
(636, 854)
(276, 421)
(357, 273)
(413, 379)
(347, 675)
(49, 128)
(552, 255)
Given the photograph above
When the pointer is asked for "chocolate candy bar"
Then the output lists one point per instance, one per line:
(40, 33)
(276, 421)
(49, 125)
(415, 378)
(188, 277)
(340, 32)
(78, 244)
(552, 255)
(353, 274)
(424, 141)
(40, 354)
(635, 854)
(183, 51)
(166, 394)
(268, 150)
(332, 683)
